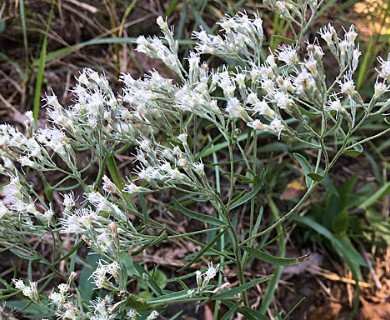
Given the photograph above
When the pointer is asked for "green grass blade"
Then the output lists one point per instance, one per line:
(383, 191)
(197, 216)
(249, 195)
(24, 29)
(276, 261)
(228, 294)
(41, 69)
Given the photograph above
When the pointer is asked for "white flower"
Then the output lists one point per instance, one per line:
(240, 80)
(327, 34)
(79, 222)
(257, 125)
(234, 108)
(355, 58)
(153, 315)
(343, 46)
(268, 86)
(270, 60)
(199, 167)
(311, 65)
(161, 23)
(26, 162)
(142, 45)
(333, 105)
(288, 55)
(69, 201)
(30, 291)
(228, 24)
(63, 287)
(276, 126)
(132, 314)
(380, 88)
(384, 71)
(348, 86)
(57, 298)
(183, 138)
(282, 100)
(351, 35)
(252, 98)
(131, 188)
(19, 284)
(303, 81)
(98, 200)
(3, 209)
(109, 186)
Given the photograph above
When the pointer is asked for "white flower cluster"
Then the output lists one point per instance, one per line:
(97, 121)
(165, 167)
(293, 11)
(203, 279)
(154, 47)
(30, 291)
(100, 277)
(242, 38)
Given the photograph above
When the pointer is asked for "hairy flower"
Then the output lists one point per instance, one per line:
(328, 33)
(384, 71)
(348, 85)
(288, 55)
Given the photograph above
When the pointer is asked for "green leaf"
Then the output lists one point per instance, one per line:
(275, 38)
(114, 172)
(126, 264)
(276, 261)
(227, 294)
(197, 216)
(315, 176)
(169, 297)
(231, 311)
(137, 303)
(30, 309)
(152, 284)
(247, 196)
(341, 244)
(383, 191)
(86, 286)
(306, 167)
(25, 255)
(340, 223)
(355, 152)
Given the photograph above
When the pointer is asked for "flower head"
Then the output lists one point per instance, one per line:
(348, 86)
(384, 71)
(327, 33)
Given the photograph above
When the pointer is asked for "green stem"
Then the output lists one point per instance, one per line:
(270, 291)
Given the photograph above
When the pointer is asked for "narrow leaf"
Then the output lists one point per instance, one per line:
(315, 176)
(276, 261)
(233, 292)
(247, 196)
(383, 191)
(355, 152)
(306, 167)
(196, 215)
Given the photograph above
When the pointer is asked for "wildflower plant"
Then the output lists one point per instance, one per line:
(161, 124)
